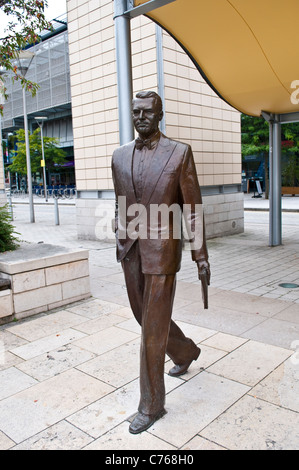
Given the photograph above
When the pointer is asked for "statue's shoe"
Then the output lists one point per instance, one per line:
(178, 370)
(142, 422)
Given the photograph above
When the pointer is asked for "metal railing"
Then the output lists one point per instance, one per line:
(55, 192)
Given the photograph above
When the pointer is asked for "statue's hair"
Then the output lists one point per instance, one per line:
(151, 94)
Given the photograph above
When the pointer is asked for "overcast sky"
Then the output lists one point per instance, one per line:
(55, 8)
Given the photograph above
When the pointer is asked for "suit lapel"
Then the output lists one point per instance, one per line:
(160, 159)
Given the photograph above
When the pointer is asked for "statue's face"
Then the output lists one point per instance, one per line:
(146, 116)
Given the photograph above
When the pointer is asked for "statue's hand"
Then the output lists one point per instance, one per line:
(204, 267)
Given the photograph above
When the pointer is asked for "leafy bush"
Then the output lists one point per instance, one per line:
(290, 171)
(8, 241)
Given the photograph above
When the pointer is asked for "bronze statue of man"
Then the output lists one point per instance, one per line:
(154, 170)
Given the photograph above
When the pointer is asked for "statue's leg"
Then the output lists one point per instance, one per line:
(134, 281)
(156, 315)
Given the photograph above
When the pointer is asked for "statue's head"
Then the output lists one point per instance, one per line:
(147, 111)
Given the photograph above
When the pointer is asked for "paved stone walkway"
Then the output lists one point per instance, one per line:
(69, 378)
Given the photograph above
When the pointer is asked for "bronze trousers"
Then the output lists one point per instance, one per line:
(151, 298)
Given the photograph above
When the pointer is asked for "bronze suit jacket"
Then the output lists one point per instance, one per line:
(171, 180)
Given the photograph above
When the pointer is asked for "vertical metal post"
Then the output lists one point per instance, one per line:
(1, 153)
(160, 73)
(10, 206)
(3, 163)
(270, 181)
(124, 71)
(29, 176)
(56, 211)
(1, 142)
(44, 163)
(275, 236)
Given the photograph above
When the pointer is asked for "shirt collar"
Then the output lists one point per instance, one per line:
(149, 143)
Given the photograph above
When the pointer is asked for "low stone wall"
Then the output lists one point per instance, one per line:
(42, 277)
(3, 198)
(6, 304)
(224, 214)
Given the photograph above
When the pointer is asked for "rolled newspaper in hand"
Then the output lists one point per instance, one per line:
(204, 278)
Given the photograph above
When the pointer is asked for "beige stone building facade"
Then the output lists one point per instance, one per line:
(193, 114)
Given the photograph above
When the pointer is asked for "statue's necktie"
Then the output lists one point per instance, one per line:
(140, 144)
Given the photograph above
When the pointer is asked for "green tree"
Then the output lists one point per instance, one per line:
(8, 240)
(26, 19)
(54, 155)
(255, 135)
(290, 167)
(290, 172)
(255, 141)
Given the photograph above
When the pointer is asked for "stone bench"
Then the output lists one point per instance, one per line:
(42, 277)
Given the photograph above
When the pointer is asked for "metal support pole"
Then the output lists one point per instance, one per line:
(275, 236)
(1, 141)
(160, 73)
(10, 206)
(29, 176)
(270, 181)
(124, 71)
(44, 163)
(57, 221)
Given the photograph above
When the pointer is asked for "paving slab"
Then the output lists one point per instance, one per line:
(276, 332)
(194, 405)
(247, 303)
(45, 325)
(225, 320)
(253, 424)
(117, 439)
(113, 409)
(280, 387)
(229, 368)
(48, 402)
(101, 323)
(108, 367)
(5, 442)
(94, 308)
(71, 376)
(54, 362)
(224, 342)
(199, 443)
(13, 381)
(47, 343)
(105, 340)
(60, 436)
(250, 363)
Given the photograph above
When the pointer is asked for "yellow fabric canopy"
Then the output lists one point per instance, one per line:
(247, 50)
